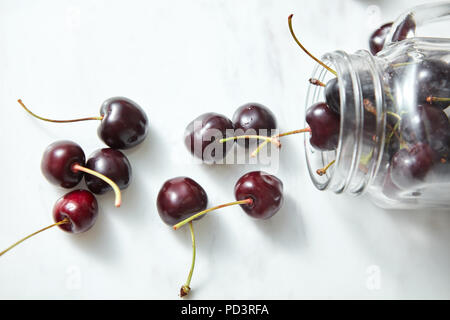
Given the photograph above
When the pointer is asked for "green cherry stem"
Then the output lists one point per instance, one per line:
(185, 289)
(322, 171)
(253, 136)
(432, 99)
(65, 220)
(316, 82)
(304, 49)
(195, 216)
(76, 167)
(56, 121)
(255, 152)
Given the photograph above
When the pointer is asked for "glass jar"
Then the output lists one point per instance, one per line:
(394, 140)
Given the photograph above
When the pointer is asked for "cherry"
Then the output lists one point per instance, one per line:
(410, 166)
(407, 26)
(179, 198)
(79, 207)
(57, 162)
(377, 38)
(253, 118)
(332, 95)
(431, 80)
(427, 124)
(63, 164)
(202, 134)
(265, 190)
(124, 123)
(111, 163)
(325, 126)
(75, 212)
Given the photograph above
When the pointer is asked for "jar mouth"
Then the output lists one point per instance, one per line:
(317, 159)
(357, 157)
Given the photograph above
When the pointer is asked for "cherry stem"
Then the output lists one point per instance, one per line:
(253, 136)
(76, 167)
(368, 105)
(316, 82)
(322, 171)
(254, 153)
(65, 220)
(185, 289)
(304, 49)
(56, 121)
(195, 216)
(431, 99)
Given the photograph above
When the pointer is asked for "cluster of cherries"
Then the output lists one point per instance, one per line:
(124, 125)
(418, 140)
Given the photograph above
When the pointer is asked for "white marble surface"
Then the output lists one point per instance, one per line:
(179, 59)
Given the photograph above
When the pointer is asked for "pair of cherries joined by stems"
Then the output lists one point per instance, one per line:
(124, 125)
(182, 200)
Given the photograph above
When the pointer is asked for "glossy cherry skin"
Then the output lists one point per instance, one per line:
(332, 95)
(325, 126)
(202, 135)
(80, 207)
(407, 26)
(410, 167)
(124, 124)
(253, 118)
(427, 124)
(431, 79)
(112, 164)
(57, 162)
(377, 38)
(264, 189)
(179, 198)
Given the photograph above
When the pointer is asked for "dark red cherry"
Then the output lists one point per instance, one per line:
(124, 124)
(264, 189)
(253, 119)
(332, 95)
(202, 136)
(377, 38)
(179, 198)
(410, 167)
(325, 126)
(79, 207)
(427, 124)
(110, 163)
(75, 212)
(431, 80)
(407, 26)
(57, 162)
